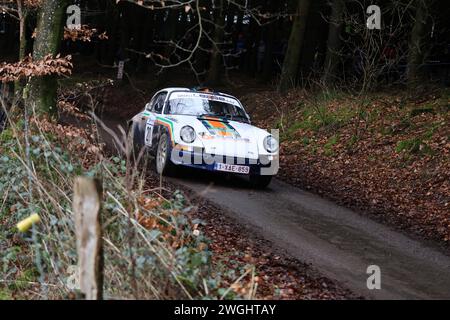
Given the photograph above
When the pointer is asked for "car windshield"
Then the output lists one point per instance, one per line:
(204, 106)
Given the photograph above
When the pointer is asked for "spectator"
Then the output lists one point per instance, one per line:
(260, 55)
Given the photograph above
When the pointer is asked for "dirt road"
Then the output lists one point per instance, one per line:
(338, 242)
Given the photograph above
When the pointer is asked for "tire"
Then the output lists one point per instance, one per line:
(162, 162)
(260, 182)
(139, 155)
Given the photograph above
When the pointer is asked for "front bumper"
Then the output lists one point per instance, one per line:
(264, 165)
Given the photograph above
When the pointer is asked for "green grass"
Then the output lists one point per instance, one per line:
(321, 118)
(414, 146)
(419, 145)
(428, 108)
(329, 95)
(352, 141)
(22, 282)
(329, 146)
(5, 294)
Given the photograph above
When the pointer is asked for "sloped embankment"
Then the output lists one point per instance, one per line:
(386, 155)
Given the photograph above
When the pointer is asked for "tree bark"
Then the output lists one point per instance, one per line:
(22, 13)
(43, 91)
(268, 55)
(169, 34)
(292, 59)
(416, 46)
(332, 57)
(87, 199)
(216, 65)
(110, 46)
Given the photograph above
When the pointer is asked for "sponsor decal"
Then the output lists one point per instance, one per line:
(212, 97)
(169, 125)
(218, 127)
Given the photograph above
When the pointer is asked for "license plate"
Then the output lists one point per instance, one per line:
(232, 168)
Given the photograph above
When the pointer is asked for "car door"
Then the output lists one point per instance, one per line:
(156, 108)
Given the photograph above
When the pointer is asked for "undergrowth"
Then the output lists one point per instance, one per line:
(152, 247)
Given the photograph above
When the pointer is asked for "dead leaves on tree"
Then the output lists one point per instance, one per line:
(29, 68)
(85, 34)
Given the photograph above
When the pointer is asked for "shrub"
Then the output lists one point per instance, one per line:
(150, 247)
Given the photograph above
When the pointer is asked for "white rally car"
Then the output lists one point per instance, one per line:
(205, 130)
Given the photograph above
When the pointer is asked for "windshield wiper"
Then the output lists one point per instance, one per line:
(212, 115)
(240, 117)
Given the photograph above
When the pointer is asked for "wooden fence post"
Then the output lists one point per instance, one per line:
(86, 208)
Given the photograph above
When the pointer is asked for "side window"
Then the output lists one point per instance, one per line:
(158, 103)
(148, 106)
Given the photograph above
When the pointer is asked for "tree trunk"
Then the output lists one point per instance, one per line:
(292, 59)
(332, 57)
(169, 34)
(268, 54)
(147, 30)
(110, 46)
(216, 65)
(23, 13)
(416, 54)
(43, 91)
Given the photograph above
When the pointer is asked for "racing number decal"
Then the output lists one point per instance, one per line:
(149, 123)
(149, 132)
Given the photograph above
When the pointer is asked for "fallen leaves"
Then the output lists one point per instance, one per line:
(278, 277)
(78, 141)
(391, 163)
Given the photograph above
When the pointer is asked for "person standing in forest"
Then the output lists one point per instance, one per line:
(240, 50)
(261, 54)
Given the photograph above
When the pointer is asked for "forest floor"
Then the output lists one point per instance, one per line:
(386, 155)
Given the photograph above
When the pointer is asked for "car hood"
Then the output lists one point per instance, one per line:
(222, 137)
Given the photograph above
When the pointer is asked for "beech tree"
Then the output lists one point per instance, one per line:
(257, 38)
(333, 53)
(416, 45)
(49, 31)
(292, 59)
(215, 66)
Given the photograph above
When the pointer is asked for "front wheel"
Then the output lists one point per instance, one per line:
(163, 164)
(260, 182)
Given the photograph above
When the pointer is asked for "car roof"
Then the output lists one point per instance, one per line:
(210, 91)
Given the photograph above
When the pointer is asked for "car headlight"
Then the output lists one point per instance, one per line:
(270, 144)
(187, 134)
